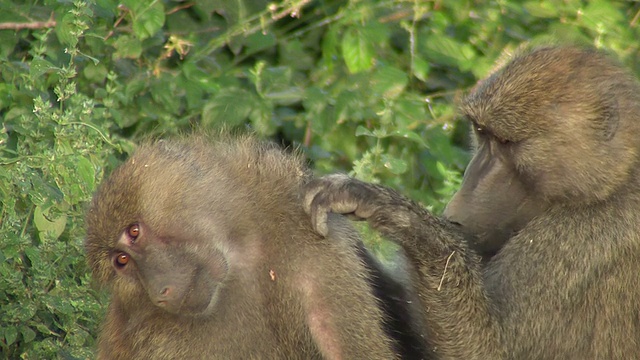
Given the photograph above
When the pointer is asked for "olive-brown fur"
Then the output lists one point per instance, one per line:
(538, 254)
(226, 264)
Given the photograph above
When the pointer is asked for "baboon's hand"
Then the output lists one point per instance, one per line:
(340, 194)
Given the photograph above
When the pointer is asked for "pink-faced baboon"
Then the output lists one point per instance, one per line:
(208, 254)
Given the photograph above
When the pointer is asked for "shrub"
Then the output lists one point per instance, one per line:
(363, 86)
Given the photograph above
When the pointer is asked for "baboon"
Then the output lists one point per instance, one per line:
(208, 254)
(552, 200)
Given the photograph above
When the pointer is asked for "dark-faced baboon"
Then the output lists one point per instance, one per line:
(552, 201)
(208, 254)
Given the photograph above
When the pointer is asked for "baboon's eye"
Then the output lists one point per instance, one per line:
(121, 259)
(134, 231)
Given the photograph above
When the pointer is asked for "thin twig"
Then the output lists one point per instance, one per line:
(635, 19)
(307, 135)
(30, 25)
(124, 12)
(180, 7)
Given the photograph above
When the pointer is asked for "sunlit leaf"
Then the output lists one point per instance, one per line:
(543, 9)
(362, 131)
(65, 30)
(389, 81)
(51, 228)
(86, 173)
(601, 15)
(448, 51)
(394, 165)
(149, 19)
(357, 51)
(408, 134)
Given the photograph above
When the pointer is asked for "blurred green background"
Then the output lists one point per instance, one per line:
(367, 87)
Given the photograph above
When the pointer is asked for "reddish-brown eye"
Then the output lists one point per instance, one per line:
(134, 230)
(122, 259)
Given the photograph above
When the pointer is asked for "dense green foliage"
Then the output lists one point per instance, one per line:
(363, 86)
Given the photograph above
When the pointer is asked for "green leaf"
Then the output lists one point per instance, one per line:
(442, 170)
(65, 30)
(10, 334)
(164, 92)
(86, 172)
(330, 45)
(230, 106)
(276, 85)
(27, 334)
(262, 119)
(77, 336)
(389, 81)
(43, 329)
(259, 41)
(347, 106)
(49, 228)
(601, 15)
(233, 11)
(206, 7)
(296, 55)
(394, 165)
(34, 256)
(407, 134)
(127, 47)
(39, 66)
(357, 51)
(197, 79)
(408, 112)
(448, 51)
(421, 69)
(363, 131)
(149, 20)
(542, 9)
(95, 73)
(314, 100)
(8, 41)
